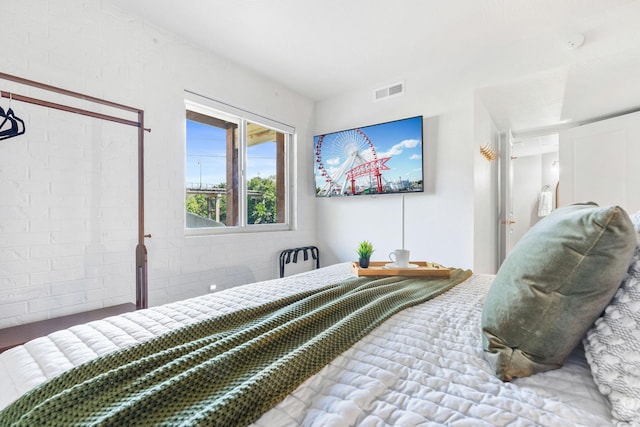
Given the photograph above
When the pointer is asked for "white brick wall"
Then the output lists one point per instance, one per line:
(68, 187)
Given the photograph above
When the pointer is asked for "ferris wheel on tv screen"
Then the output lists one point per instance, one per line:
(348, 163)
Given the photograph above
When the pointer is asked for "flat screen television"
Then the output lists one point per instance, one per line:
(384, 158)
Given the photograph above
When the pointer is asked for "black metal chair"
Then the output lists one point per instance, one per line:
(291, 255)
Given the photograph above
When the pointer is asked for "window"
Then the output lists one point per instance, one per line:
(236, 170)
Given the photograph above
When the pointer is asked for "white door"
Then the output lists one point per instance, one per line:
(599, 163)
(525, 189)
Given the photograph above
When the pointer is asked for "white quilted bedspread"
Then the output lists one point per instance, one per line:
(424, 366)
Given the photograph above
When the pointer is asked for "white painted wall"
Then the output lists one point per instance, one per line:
(486, 201)
(439, 223)
(67, 211)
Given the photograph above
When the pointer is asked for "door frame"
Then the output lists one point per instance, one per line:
(505, 199)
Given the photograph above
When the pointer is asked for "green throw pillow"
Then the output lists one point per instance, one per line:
(553, 285)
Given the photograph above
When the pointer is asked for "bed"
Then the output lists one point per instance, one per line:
(424, 365)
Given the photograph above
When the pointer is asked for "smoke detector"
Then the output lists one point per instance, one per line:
(575, 41)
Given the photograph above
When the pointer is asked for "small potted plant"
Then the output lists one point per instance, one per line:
(365, 249)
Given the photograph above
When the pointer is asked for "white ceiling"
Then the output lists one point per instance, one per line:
(513, 51)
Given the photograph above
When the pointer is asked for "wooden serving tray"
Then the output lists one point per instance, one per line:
(424, 269)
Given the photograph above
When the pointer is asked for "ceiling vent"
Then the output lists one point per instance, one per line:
(395, 89)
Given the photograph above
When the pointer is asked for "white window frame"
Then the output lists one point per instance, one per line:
(208, 106)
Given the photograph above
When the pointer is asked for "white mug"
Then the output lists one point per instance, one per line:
(400, 257)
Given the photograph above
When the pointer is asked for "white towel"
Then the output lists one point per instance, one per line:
(545, 205)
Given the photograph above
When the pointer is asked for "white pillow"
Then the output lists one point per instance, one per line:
(612, 345)
(635, 219)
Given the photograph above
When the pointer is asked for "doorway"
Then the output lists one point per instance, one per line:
(530, 177)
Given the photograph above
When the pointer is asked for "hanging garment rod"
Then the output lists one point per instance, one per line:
(48, 104)
(141, 250)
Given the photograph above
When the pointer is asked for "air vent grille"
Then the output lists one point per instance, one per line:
(396, 89)
(389, 91)
(382, 93)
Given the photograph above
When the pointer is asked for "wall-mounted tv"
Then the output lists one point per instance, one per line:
(384, 158)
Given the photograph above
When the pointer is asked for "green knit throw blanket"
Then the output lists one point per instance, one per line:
(226, 370)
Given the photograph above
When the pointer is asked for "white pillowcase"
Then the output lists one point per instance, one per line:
(612, 346)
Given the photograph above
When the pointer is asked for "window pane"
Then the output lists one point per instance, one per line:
(211, 171)
(235, 171)
(265, 175)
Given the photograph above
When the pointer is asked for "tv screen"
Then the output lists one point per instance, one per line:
(384, 158)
